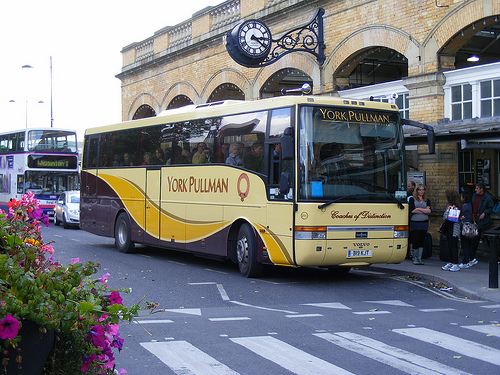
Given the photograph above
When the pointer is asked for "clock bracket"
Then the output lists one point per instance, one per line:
(308, 38)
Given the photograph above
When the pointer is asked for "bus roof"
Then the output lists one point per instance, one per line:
(228, 107)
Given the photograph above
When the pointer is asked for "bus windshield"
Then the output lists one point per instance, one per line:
(349, 154)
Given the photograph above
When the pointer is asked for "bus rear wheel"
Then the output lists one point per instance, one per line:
(123, 234)
(246, 252)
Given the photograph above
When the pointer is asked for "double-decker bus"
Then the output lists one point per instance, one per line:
(289, 181)
(41, 160)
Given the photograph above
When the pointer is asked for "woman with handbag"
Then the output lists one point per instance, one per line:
(451, 217)
(420, 208)
(466, 241)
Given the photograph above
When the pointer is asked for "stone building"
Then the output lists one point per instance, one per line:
(441, 58)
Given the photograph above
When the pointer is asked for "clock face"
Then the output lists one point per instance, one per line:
(254, 38)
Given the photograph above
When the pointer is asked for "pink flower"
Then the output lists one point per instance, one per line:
(115, 298)
(75, 260)
(9, 327)
(122, 371)
(104, 279)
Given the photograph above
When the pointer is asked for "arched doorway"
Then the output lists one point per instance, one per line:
(179, 101)
(371, 66)
(289, 78)
(476, 44)
(144, 111)
(226, 91)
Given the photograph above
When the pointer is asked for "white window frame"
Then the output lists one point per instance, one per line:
(473, 76)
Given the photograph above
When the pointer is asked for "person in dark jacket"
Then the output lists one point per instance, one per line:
(465, 196)
(482, 207)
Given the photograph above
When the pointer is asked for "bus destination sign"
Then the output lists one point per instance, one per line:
(52, 161)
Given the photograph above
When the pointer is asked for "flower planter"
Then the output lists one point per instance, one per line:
(35, 348)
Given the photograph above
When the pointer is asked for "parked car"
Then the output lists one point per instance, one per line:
(67, 209)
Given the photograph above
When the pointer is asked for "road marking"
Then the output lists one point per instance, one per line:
(491, 306)
(453, 343)
(329, 305)
(185, 311)
(398, 358)
(371, 312)
(220, 288)
(392, 302)
(229, 319)
(493, 330)
(303, 315)
(287, 356)
(263, 308)
(185, 359)
(436, 310)
(153, 321)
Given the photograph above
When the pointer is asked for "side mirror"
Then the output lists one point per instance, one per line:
(287, 151)
(285, 182)
(431, 141)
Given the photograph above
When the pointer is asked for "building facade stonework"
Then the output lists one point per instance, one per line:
(373, 48)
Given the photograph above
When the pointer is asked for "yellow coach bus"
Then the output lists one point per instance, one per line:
(290, 181)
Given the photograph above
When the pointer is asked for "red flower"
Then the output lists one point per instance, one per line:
(9, 327)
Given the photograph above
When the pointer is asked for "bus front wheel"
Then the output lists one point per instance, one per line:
(123, 240)
(246, 252)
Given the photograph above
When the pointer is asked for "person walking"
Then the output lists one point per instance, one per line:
(452, 229)
(482, 207)
(466, 242)
(420, 208)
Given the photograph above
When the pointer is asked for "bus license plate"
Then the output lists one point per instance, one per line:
(359, 253)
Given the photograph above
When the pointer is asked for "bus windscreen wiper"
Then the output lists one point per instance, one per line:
(326, 204)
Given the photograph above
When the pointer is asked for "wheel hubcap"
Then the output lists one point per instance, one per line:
(242, 250)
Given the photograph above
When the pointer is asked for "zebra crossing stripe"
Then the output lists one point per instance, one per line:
(287, 356)
(185, 359)
(493, 330)
(453, 343)
(398, 358)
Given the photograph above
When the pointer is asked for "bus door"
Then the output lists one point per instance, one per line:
(88, 205)
(152, 206)
(280, 209)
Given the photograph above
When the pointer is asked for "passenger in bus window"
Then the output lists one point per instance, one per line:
(185, 157)
(116, 160)
(225, 151)
(234, 157)
(159, 157)
(147, 158)
(201, 156)
(127, 160)
(255, 159)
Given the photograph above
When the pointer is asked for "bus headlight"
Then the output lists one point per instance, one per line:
(401, 231)
(310, 233)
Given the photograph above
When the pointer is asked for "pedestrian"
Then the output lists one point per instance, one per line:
(452, 230)
(420, 208)
(410, 188)
(482, 207)
(466, 242)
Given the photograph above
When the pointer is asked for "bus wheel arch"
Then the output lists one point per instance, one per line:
(246, 251)
(123, 233)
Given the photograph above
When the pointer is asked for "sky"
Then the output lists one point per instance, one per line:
(84, 40)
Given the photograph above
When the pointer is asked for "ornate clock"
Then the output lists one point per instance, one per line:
(249, 42)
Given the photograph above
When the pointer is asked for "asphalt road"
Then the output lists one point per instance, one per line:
(302, 321)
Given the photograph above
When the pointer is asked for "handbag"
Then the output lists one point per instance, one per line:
(470, 230)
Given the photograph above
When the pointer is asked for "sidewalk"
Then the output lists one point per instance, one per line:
(471, 282)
